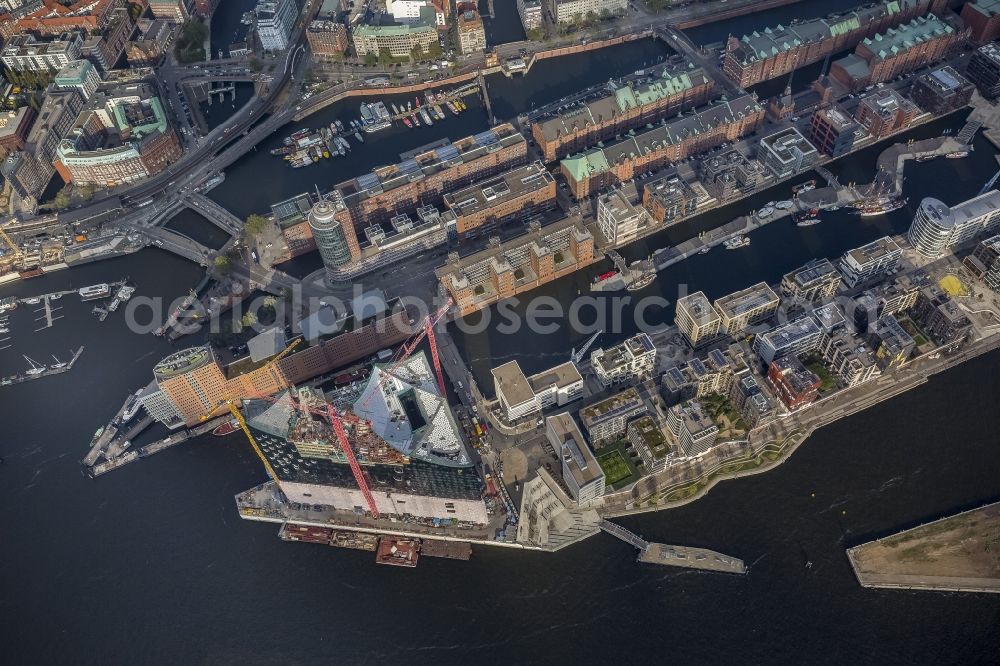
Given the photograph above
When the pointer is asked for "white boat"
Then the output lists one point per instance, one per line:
(357, 135)
(783, 205)
(736, 242)
(34, 300)
(765, 212)
(425, 116)
(36, 368)
(705, 250)
(4, 330)
(95, 291)
(132, 407)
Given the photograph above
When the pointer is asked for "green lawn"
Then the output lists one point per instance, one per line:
(615, 467)
(818, 368)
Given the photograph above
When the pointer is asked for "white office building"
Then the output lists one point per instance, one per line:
(619, 220)
(521, 395)
(275, 20)
(583, 476)
(787, 152)
(568, 11)
(417, 11)
(530, 12)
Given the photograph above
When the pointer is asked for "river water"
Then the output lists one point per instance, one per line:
(150, 563)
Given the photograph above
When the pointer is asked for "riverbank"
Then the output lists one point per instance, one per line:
(953, 554)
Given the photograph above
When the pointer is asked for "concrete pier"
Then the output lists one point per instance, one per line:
(676, 556)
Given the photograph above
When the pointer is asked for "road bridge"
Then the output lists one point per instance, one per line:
(215, 213)
(179, 244)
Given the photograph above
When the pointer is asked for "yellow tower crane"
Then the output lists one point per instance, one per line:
(230, 403)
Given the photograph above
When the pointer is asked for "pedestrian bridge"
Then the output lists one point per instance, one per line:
(625, 535)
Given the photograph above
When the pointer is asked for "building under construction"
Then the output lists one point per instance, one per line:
(399, 429)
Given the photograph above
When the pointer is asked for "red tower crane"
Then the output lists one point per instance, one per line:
(404, 352)
(338, 428)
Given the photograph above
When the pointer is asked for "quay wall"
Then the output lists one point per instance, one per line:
(466, 77)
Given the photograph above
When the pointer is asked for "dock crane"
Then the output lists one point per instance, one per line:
(404, 352)
(230, 404)
(14, 247)
(577, 356)
(337, 423)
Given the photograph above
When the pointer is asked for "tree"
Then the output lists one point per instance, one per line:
(371, 58)
(417, 53)
(135, 10)
(255, 225)
(223, 266)
(86, 192)
(434, 50)
(248, 319)
(535, 34)
(256, 65)
(384, 56)
(61, 199)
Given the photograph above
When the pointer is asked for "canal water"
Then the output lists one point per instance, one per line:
(775, 250)
(743, 25)
(547, 82)
(505, 26)
(150, 563)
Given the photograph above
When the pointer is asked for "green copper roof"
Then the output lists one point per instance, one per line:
(587, 164)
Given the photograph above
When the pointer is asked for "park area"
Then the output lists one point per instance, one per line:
(615, 466)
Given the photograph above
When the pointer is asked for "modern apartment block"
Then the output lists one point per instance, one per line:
(750, 401)
(984, 70)
(648, 439)
(507, 269)
(628, 104)
(619, 220)
(941, 318)
(24, 53)
(786, 152)
(984, 262)
(870, 262)
(937, 227)
(778, 50)
(794, 384)
(746, 307)
(941, 90)
(697, 319)
(850, 358)
(669, 198)
(817, 281)
(833, 131)
(607, 419)
(892, 344)
(884, 111)
(693, 428)
(712, 374)
(530, 12)
(633, 359)
(669, 142)
(514, 194)
(797, 337)
(582, 474)
(520, 395)
(730, 174)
